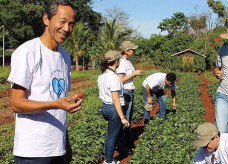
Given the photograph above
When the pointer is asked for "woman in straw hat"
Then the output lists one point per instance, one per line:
(111, 94)
(221, 101)
(127, 72)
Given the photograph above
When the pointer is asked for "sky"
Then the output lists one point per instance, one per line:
(145, 15)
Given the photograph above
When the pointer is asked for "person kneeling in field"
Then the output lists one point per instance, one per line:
(111, 94)
(213, 145)
(155, 84)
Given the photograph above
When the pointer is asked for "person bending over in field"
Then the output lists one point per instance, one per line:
(40, 78)
(221, 100)
(213, 145)
(155, 84)
(111, 94)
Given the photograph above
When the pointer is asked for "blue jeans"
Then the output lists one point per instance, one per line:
(161, 100)
(125, 138)
(114, 124)
(39, 160)
(221, 112)
(129, 104)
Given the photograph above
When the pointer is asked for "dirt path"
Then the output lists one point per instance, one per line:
(137, 130)
(206, 99)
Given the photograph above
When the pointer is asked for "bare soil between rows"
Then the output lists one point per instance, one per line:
(7, 116)
(137, 129)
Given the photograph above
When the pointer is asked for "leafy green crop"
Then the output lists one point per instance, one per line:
(162, 141)
(170, 141)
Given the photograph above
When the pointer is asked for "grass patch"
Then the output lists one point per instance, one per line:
(4, 74)
(83, 74)
(210, 77)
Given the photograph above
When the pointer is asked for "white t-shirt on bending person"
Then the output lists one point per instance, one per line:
(46, 76)
(220, 155)
(126, 68)
(108, 82)
(156, 82)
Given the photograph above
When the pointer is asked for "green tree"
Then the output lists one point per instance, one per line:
(219, 8)
(114, 34)
(122, 18)
(179, 42)
(23, 18)
(21, 21)
(77, 42)
(175, 24)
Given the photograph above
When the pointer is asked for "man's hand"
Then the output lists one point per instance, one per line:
(218, 74)
(149, 100)
(174, 106)
(65, 104)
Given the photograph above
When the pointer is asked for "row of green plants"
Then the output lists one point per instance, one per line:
(4, 73)
(85, 74)
(6, 143)
(212, 85)
(87, 128)
(169, 141)
(212, 91)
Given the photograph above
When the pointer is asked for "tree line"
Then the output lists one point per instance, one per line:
(94, 34)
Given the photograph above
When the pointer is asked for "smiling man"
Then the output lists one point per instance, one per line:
(40, 78)
(155, 84)
(213, 145)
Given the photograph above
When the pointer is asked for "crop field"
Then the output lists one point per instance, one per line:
(160, 141)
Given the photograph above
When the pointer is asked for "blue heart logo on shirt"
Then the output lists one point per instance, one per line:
(58, 86)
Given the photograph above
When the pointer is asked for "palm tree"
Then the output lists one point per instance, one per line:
(78, 41)
(114, 34)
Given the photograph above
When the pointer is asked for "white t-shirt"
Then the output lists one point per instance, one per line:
(156, 82)
(108, 82)
(220, 155)
(46, 76)
(126, 68)
(222, 61)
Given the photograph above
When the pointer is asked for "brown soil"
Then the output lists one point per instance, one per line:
(78, 85)
(138, 129)
(207, 102)
(8, 116)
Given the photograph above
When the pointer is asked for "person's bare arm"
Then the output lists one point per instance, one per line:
(126, 78)
(173, 93)
(149, 98)
(116, 102)
(20, 104)
(217, 72)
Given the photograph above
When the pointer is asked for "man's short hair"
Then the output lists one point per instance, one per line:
(171, 77)
(51, 8)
